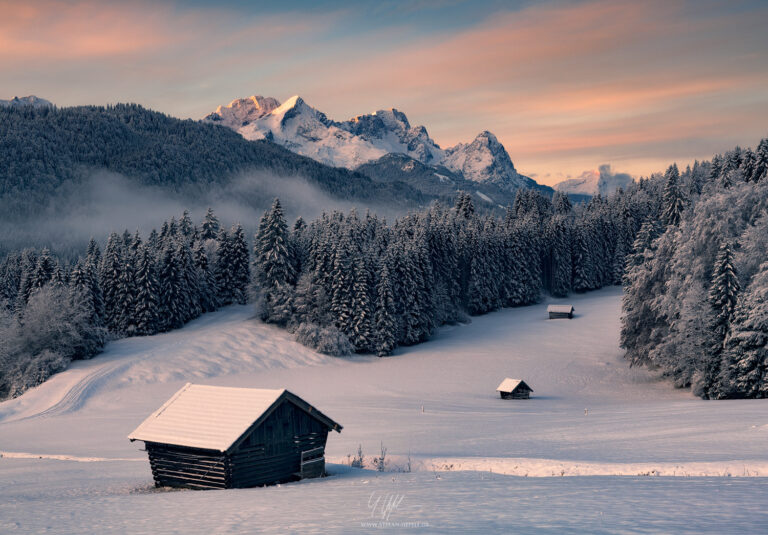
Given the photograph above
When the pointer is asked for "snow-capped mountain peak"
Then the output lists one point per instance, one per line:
(297, 107)
(485, 160)
(30, 101)
(243, 111)
(305, 130)
(393, 118)
(391, 131)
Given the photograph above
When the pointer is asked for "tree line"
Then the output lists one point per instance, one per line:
(349, 283)
(696, 287)
(51, 313)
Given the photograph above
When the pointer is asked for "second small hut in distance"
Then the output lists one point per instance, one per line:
(560, 311)
(514, 389)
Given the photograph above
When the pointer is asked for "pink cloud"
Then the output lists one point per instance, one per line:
(52, 30)
(81, 30)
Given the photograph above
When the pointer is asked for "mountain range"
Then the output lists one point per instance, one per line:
(54, 160)
(67, 173)
(383, 146)
(374, 142)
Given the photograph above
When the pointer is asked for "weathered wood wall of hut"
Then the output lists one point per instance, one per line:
(179, 466)
(518, 394)
(272, 452)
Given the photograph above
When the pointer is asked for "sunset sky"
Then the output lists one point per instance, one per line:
(566, 86)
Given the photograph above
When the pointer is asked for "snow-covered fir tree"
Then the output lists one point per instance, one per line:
(723, 296)
(223, 269)
(171, 290)
(385, 322)
(761, 162)
(207, 288)
(342, 294)
(81, 291)
(724, 290)
(125, 292)
(673, 200)
(241, 264)
(42, 273)
(190, 287)
(146, 317)
(273, 265)
(362, 329)
(464, 207)
(744, 371)
(210, 227)
(110, 273)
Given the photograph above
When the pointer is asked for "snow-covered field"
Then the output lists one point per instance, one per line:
(67, 466)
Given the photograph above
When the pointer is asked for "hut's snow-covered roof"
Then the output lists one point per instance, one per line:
(563, 309)
(214, 417)
(509, 385)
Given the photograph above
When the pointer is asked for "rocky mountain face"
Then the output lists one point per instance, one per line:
(391, 131)
(366, 138)
(438, 181)
(486, 160)
(243, 111)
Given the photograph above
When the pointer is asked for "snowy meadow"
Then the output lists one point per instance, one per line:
(599, 448)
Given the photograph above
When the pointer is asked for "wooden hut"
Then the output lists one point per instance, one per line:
(220, 437)
(560, 311)
(514, 389)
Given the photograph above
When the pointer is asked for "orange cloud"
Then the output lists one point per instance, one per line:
(80, 30)
(91, 30)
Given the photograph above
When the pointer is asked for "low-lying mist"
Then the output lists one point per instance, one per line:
(106, 202)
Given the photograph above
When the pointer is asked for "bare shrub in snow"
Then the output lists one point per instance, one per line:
(380, 462)
(358, 461)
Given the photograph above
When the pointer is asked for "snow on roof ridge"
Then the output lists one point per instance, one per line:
(560, 308)
(217, 387)
(165, 405)
(199, 416)
(509, 385)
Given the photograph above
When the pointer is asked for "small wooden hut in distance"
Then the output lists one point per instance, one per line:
(221, 437)
(560, 311)
(514, 389)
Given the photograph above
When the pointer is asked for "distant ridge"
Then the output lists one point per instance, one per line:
(30, 101)
(46, 150)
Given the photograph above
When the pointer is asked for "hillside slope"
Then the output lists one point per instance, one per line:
(589, 415)
(46, 149)
(571, 365)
